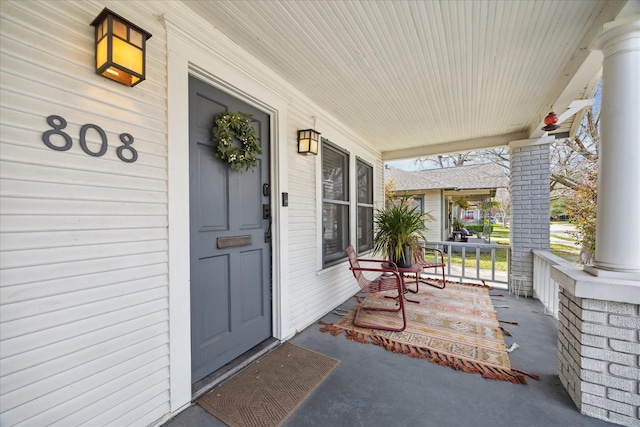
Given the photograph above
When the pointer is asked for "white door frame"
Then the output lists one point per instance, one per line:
(192, 54)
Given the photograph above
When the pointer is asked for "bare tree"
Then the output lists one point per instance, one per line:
(447, 161)
(572, 159)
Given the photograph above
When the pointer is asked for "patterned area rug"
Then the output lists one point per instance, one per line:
(266, 393)
(455, 327)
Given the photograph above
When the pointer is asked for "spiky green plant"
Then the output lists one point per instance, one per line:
(398, 225)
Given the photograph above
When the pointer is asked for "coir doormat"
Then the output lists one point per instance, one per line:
(267, 392)
(455, 327)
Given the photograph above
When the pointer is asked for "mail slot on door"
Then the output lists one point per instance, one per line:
(233, 241)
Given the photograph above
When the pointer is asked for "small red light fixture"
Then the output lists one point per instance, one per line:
(550, 122)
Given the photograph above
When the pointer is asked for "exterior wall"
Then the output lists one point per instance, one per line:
(433, 204)
(530, 209)
(84, 319)
(92, 281)
(599, 357)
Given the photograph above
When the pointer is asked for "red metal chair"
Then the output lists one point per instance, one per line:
(388, 280)
(428, 258)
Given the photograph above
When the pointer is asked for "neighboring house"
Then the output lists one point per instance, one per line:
(437, 190)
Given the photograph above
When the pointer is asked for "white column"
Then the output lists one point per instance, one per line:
(618, 220)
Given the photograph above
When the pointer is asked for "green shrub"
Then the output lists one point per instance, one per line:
(477, 228)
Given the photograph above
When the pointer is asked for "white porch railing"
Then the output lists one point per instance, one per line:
(473, 272)
(544, 287)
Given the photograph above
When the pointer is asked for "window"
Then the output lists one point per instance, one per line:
(365, 205)
(335, 202)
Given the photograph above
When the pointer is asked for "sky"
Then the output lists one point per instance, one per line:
(412, 165)
(407, 165)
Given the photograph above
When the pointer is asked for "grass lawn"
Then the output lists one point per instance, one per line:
(569, 253)
(485, 259)
(500, 235)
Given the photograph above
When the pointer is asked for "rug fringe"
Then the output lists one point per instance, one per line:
(529, 374)
(505, 331)
(512, 375)
(331, 328)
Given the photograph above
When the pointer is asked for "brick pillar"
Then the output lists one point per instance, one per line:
(598, 356)
(530, 177)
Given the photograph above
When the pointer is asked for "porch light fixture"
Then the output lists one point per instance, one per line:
(120, 48)
(308, 141)
(550, 122)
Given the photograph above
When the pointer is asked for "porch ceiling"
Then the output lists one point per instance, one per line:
(416, 78)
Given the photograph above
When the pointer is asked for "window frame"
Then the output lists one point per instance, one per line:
(360, 248)
(337, 256)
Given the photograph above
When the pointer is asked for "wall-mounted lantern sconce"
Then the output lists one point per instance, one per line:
(308, 141)
(120, 48)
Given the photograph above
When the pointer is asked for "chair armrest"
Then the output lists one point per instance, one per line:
(391, 265)
(435, 252)
(377, 270)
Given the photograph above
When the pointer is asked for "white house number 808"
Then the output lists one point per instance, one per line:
(58, 123)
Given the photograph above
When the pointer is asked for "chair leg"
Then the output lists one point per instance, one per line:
(444, 283)
(400, 309)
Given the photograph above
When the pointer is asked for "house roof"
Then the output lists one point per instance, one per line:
(418, 78)
(470, 177)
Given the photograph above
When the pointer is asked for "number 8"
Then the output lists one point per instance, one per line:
(57, 130)
(127, 140)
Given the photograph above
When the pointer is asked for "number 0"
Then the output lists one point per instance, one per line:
(83, 141)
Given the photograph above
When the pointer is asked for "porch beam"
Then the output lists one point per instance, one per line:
(453, 147)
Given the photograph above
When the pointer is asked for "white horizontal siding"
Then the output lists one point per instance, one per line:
(84, 315)
(315, 292)
(433, 205)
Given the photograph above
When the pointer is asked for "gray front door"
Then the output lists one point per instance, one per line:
(230, 252)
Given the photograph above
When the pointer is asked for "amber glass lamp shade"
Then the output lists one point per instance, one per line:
(120, 48)
(308, 141)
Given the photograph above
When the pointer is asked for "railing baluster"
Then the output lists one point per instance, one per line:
(545, 288)
(489, 275)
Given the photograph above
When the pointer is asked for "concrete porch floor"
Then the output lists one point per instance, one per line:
(375, 387)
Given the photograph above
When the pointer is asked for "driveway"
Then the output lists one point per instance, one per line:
(562, 230)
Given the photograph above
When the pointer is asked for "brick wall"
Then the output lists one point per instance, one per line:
(599, 357)
(530, 211)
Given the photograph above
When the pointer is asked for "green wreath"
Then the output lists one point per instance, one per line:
(230, 125)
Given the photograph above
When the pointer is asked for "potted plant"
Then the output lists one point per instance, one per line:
(396, 227)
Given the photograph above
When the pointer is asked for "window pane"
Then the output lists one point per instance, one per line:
(334, 174)
(365, 183)
(365, 228)
(335, 230)
(365, 205)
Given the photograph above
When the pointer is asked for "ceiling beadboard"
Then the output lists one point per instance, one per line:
(407, 74)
